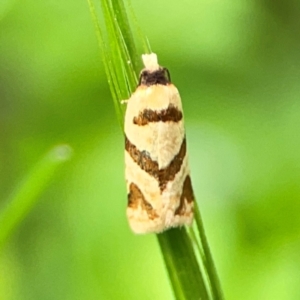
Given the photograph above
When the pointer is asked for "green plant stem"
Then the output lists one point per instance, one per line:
(208, 261)
(188, 259)
(26, 194)
(182, 265)
(105, 51)
(122, 19)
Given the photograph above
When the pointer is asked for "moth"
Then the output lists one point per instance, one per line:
(158, 182)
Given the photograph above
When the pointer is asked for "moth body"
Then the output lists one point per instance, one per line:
(158, 181)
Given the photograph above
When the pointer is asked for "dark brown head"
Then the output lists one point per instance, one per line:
(153, 73)
(160, 76)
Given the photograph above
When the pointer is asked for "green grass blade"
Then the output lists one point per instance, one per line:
(112, 79)
(210, 267)
(182, 265)
(123, 22)
(127, 52)
(26, 194)
(187, 256)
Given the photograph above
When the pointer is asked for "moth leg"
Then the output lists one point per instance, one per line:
(124, 101)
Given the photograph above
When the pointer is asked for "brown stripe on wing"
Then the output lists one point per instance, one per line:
(143, 159)
(136, 198)
(170, 114)
(187, 194)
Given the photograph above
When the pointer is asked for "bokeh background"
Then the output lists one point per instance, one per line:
(237, 66)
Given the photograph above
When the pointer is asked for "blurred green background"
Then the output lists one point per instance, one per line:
(237, 66)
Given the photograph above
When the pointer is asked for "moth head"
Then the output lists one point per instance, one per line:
(153, 73)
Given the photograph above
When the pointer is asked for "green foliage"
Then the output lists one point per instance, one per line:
(236, 67)
(119, 51)
(26, 194)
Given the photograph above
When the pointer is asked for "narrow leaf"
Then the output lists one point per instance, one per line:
(27, 193)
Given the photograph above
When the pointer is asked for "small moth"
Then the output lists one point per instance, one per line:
(159, 188)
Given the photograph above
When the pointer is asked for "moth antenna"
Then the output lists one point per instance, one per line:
(168, 73)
